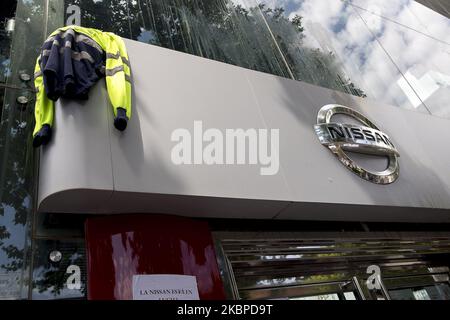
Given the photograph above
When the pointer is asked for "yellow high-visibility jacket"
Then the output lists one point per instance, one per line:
(117, 72)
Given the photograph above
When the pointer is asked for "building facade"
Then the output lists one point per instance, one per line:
(283, 219)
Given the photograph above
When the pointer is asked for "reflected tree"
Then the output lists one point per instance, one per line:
(259, 38)
(16, 154)
(50, 279)
(215, 29)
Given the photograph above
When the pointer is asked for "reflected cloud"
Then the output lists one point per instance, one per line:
(382, 46)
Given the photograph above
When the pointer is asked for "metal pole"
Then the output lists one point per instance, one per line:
(383, 288)
(358, 288)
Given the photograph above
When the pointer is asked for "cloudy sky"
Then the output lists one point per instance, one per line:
(397, 51)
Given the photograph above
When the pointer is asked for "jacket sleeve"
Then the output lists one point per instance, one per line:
(44, 107)
(118, 74)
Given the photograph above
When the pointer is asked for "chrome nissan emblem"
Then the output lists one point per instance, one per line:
(364, 139)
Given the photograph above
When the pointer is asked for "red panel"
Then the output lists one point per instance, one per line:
(119, 247)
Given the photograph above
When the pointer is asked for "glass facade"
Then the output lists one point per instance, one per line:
(368, 49)
(24, 31)
(394, 52)
(16, 155)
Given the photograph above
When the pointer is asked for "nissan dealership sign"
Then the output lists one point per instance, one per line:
(154, 167)
(365, 139)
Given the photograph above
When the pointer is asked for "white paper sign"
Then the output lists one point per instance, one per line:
(165, 287)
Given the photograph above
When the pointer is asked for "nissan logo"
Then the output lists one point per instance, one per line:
(365, 139)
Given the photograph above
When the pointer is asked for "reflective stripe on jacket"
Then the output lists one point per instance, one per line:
(117, 69)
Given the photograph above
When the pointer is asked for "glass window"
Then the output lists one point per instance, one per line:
(21, 46)
(417, 39)
(215, 29)
(406, 13)
(6, 24)
(439, 291)
(333, 48)
(350, 46)
(59, 269)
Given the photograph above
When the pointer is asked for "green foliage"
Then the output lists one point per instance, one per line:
(223, 31)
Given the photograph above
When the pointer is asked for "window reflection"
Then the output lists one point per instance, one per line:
(355, 64)
(245, 33)
(19, 51)
(406, 13)
(418, 41)
(353, 46)
(58, 280)
(395, 52)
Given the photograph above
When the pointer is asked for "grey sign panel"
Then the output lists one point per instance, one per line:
(77, 161)
(92, 168)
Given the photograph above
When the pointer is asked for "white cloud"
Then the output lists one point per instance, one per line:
(406, 29)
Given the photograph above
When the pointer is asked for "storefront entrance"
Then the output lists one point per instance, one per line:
(271, 263)
(339, 266)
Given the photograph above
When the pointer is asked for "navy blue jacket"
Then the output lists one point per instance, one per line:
(71, 64)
